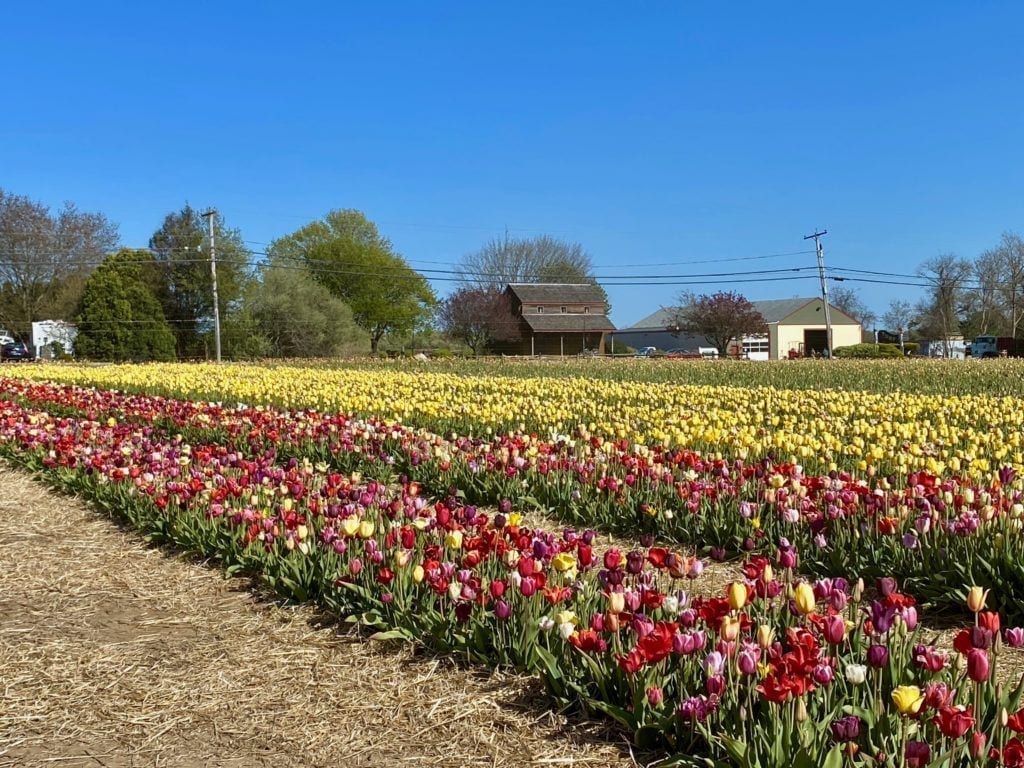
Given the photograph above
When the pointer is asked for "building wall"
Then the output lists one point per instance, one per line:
(555, 308)
(45, 332)
(791, 336)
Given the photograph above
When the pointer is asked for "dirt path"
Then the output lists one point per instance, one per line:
(116, 654)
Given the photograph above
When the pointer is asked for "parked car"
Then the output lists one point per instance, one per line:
(14, 351)
(683, 354)
(646, 352)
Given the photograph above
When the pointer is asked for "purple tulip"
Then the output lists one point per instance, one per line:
(823, 674)
(886, 586)
(878, 656)
(502, 610)
(846, 728)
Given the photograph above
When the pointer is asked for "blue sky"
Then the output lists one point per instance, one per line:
(682, 134)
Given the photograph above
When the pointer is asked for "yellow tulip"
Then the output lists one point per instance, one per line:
(976, 597)
(453, 540)
(565, 617)
(737, 595)
(803, 596)
(908, 699)
(563, 561)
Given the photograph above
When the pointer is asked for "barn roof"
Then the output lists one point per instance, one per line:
(773, 311)
(556, 322)
(555, 293)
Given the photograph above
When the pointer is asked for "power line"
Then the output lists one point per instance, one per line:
(385, 271)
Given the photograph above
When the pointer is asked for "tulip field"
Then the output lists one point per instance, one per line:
(397, 498)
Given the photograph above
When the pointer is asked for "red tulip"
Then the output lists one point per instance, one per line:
(834, 629)
(954, 722)
(990, 621)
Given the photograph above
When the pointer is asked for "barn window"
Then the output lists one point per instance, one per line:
(540, 310)
(563, 310)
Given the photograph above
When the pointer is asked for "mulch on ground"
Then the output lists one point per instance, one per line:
(117, 654)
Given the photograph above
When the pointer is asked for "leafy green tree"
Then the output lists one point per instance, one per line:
(184, 284)
(119, 316)
(295, 316)
(348, 256)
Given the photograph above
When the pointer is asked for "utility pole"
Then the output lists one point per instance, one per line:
(209, 214)
(824, 287)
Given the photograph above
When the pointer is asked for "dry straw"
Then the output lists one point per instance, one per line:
(116, 654)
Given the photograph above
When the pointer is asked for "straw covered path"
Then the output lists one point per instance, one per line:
(113, 653)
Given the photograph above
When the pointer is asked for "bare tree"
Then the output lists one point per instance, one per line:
(45, 257)
(945, 306)
(542, 259)
(986, 302)
(1006, 263)
(899, 317)
(849, 301)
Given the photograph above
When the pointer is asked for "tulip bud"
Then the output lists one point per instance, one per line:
(655, 696)
(801, 710)
(976, 745)
(765, 636)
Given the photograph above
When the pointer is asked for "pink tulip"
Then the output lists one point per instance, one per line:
(977, 665)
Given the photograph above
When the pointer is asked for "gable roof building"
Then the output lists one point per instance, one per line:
(558, 318)
(796, 328)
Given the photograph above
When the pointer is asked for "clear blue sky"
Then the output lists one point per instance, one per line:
(652, 133)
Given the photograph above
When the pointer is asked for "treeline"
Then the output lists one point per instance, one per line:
(335, 286)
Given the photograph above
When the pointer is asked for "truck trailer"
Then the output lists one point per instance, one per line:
(996, 346)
